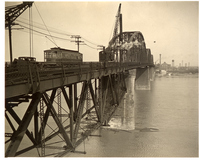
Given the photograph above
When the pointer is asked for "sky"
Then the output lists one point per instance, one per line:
(170, 28)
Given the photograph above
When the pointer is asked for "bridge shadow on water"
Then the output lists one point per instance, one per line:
(162, 122)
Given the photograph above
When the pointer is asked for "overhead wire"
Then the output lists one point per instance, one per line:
(44, 23)
(56, 33)
(45, 29)
(31, 31)
(52, 29)
(45, 33)
(42, 33)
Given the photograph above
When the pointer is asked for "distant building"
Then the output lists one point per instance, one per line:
(165, 66)
(62, 55)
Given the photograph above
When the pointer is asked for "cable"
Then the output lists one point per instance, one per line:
(90, 46)
(90, 42)
(44, 23)
(53, 36)
(44, 28)
(45, 33)
(50, 40)
(30, 29)
(61, 32)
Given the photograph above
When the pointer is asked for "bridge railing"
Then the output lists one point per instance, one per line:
(30, 72)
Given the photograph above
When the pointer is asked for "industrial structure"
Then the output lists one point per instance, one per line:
(64, 102)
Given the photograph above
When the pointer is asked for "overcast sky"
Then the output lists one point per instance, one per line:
(173, 26)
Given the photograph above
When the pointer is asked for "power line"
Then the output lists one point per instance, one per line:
(44, 28)
(53, 31)
(90, 46)
(44, 24)
(60, 31)
(44, 33)
(90, 42)
(41, 33)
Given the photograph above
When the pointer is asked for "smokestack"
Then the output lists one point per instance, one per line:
(160, 59)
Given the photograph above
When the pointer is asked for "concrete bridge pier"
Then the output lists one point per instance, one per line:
(152, 73)
(143, 78)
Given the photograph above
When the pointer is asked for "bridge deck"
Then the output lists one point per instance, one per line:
(31, 78)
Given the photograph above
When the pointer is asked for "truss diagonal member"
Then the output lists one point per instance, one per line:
(66, 96)
(94, 100)
(80, 109)
(18, 120)
(10, 123)
(46, 116)
(19, 134)
(56, 119)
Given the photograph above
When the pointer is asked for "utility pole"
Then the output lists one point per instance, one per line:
(77, 40)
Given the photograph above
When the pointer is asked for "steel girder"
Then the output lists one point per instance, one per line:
(25, 88)
(18, 135)
(108, 87)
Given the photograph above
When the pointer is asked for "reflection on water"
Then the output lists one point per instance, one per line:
(124, 117)
(162, 122)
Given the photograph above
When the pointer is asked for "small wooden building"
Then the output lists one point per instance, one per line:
(62, 55)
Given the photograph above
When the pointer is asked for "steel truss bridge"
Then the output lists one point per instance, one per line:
(63, 103)
(52, 108)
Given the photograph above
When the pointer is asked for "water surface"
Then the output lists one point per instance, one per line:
(162, 122)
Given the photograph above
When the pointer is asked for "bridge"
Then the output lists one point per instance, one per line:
(64, 103)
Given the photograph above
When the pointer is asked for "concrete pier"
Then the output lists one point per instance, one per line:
(142, 79)
(151, 73)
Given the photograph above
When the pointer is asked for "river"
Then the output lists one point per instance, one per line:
(162, 122)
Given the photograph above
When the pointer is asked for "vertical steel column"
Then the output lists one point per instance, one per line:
(105, 85)
(42, 128)
(46, 116)
(95, 88)
(59, 104)
(94, 99)
(100, 100)
(56, 119)
(36, 124)
(19, 134)
(112, 89)
(80, 109)
(88, 101)
(71, 114)
(75, 100)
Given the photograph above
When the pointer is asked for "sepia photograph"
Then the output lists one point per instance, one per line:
(100, 79)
